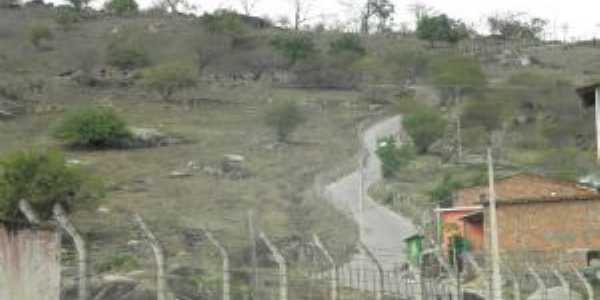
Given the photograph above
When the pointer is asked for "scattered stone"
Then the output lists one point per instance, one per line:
(5, 115)
(212, 171)
(180, 174)
(233, 166)
(103, 210)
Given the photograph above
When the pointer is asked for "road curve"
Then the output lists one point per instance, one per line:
(383, 230)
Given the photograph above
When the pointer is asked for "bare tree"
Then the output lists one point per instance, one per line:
(419, 10)
(248, 6)
(301, 9)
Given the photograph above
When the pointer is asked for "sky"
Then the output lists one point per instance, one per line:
(582, 16)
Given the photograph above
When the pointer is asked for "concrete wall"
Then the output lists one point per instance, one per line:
(29, 264)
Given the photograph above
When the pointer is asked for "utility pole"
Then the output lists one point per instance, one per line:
(495, 252)
(597, 105)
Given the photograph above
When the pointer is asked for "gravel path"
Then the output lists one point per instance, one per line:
(383, 230)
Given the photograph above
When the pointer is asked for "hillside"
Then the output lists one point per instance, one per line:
(528, 113)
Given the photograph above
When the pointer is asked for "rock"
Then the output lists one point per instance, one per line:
(5, 115)
(150, 137)
(180, 174)
(103, 210)
(233, 166)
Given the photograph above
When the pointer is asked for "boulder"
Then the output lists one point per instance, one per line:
(233, 166)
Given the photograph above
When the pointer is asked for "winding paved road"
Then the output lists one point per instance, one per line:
(383, 230)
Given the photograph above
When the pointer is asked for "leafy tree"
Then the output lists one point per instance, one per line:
(425, 126)
(121, 7)
(284, 117)
(43, 178)
(66, 18)
(223, 21)
(382, 9)
(517, 26)
(78, 5)
(392, 157)
(440, 28)
(94, 127)
(37, 33)
(347, 43)
(442, 193)
(169, 78)
(294, 47)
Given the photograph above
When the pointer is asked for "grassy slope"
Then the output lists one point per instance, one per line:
(138, 180)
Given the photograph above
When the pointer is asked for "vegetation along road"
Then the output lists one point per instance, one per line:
(383, 231)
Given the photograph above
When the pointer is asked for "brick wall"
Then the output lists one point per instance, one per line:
(557, 229)
(29, 264)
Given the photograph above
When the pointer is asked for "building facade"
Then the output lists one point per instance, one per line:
(29, 263)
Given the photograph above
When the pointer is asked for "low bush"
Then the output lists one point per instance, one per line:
(425, 126)
(347, 43)
(93, 128)
(37, 33)
(284, 117)
(43, 178)
(392, 157)
(125, 55)
(294, 47)
(167, 79)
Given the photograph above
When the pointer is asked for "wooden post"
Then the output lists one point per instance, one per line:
(495, 252)
(379, 289)
(333, 273)
(64, 222)
(597, 106)
(283, 292)
(254, 258)
(161, 283)
(588, 287)
(225, 257)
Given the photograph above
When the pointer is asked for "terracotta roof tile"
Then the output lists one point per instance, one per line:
(525, 186)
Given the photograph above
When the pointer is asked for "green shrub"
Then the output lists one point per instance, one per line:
(93, 128)
(425, 126)
(392, 157)
(125, 55)
(294, 47)
(168, 79)
(119, 263)
(347, 43)
(223, 21)
(66, 18)
(121, 7)
(284, 117)
(483, 113)
(442, 193)
(43, 178)
(37, 33)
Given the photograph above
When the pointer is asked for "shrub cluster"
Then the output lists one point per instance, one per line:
(37, 33)
(124, 55)
(94, 127)
(392, 157)
(168, 78)
(43, 178)
(284, 117)
(425, 126)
